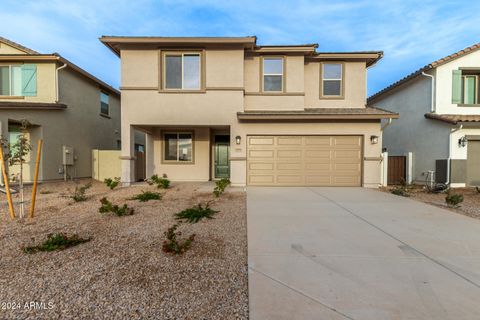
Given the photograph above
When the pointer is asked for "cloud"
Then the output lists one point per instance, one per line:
(411, 33)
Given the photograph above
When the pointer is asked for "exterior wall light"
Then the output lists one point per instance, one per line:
(238, 139)
(374, 139)
(462, 142)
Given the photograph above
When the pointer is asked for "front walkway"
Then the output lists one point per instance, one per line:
(353, 253)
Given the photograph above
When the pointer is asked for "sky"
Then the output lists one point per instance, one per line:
(411, 33)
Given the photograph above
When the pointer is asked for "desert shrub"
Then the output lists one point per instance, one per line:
(220, 186)
(173, 244)
(400, 191)
(57, 241)
(196, 213)
(453, 200)
(79, 193)
(146, 196)
(107, 207)
(478, 189)
(112, 183)
(45, 192)
(162, 182)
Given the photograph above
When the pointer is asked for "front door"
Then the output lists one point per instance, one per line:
(222, 163)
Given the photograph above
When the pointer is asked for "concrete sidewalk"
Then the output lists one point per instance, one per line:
(354, 253)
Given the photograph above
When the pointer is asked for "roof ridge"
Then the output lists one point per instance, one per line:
(429, 66)
(18, 46)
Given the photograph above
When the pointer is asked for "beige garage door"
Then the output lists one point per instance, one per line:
(304, 160)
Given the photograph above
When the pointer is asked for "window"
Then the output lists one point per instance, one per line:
(182, 71)
(11, 80)
(104, 105)
(273, 74)
(332, 77)
(465, 87)
(178, 147)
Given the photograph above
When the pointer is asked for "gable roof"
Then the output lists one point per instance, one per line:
(453, 118)
(18, 46)
(32, 55)
(427, 67)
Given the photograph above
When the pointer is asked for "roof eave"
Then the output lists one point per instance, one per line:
(312, 116)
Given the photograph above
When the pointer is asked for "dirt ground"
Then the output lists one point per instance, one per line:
(122, 272)
(469, 207)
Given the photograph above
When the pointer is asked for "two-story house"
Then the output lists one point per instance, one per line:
(439, 125)
(215, 107)
(71, 110)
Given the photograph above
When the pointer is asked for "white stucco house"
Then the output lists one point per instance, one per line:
(439, 125)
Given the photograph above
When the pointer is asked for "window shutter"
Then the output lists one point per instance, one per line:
(457, 86)
(29, 80)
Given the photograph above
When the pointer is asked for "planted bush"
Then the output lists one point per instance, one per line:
(162, 182)
(79, 193)
(400, 191)
(147, 195)
(108, 207)
(173, 244)
(220, 186)
(196, 213)
(57, 241)
(453, 200)
(112, 183)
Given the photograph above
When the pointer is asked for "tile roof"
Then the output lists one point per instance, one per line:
(320, 113)
(31, 105)
(429, 66)
(453, 118)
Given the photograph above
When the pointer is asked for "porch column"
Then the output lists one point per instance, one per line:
(3, 135)
(149, 152)
(128, 155)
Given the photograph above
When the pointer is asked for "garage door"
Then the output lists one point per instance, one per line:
(304, 160)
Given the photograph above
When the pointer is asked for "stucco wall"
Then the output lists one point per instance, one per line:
(6, 49)
(427, 139)
(79, 126)
(45, 84)
(443, 92)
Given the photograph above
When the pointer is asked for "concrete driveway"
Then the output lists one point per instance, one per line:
(353, 253)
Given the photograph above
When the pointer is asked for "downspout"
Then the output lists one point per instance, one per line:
(57, 91)
(460, 127)
(390, 120)
(432, 102)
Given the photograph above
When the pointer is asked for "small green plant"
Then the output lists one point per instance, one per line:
(196, 213)
(173, 245)
(107, 207)
(147, 195)
(453, 200)
(57, 241)
(112, 183)
(220, 186)
(162, 182)
(79, 194)
(400, 191)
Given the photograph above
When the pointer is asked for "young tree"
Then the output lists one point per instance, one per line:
(17, 153)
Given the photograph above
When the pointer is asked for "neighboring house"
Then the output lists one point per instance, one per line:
(439, 107)
(225, 107)
(71, 110)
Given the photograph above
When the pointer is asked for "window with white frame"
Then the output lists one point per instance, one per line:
(273, 74)
(182, 71)
(11, 80)
(332, 78)
(465, 87)
(178, 147)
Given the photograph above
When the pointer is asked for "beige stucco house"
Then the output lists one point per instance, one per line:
(71, 110)
(259, 115)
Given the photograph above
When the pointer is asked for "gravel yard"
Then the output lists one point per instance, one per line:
(122, 272)
(469, 207)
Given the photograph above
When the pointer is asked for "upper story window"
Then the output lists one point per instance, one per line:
(465, 87)
(182, 71)
(104, 104)
(18, 80)
(332, 80)
(273, 74)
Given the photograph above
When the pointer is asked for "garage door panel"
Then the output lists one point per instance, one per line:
(304, 160)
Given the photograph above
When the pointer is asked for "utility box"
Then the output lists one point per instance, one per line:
(67, 155)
